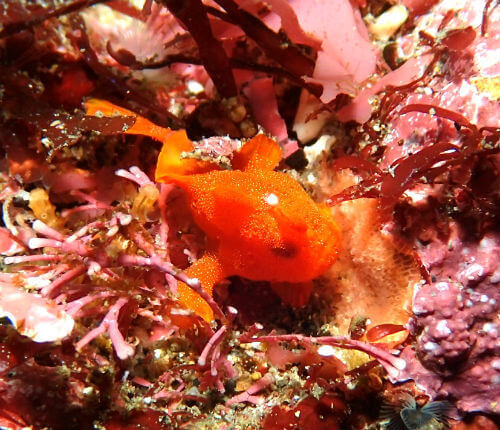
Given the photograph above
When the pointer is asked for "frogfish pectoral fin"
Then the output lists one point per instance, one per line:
(293, 294)
(209, 272)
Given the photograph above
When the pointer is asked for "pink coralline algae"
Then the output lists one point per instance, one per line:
(456, 312)
(457, 315)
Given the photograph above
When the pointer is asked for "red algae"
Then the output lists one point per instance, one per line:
(311, 413)
(394, 126)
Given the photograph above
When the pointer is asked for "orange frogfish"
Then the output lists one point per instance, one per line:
(260, 223)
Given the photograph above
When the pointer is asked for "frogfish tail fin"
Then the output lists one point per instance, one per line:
(293, 294)
(172, 164)
(141, 127)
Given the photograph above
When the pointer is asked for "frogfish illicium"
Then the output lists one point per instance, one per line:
(260, 224)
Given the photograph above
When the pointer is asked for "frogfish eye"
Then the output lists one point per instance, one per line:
(286, 250)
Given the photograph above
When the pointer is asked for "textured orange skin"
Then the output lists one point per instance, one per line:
(291, 241)
(260, 224)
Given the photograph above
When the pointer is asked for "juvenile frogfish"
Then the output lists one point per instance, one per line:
(260, 224)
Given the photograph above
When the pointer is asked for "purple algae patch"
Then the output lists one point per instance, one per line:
(456, 318)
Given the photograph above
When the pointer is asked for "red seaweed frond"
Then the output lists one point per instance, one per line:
(325, 413)
(194, 16)
(424, 165)
(484, 21)
(392, 364)
(17, 16)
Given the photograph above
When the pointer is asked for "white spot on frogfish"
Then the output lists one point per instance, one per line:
(271, 199)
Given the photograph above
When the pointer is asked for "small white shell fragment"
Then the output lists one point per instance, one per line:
(33, 315)
(386, 24)
(326, 350)
(308, 128)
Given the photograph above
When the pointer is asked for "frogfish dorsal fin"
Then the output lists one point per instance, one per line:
(171, 161)
(259, 153)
